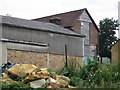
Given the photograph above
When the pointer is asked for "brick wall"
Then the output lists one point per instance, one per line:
(52, 61)
(16, 56)
(93, 35)
(77, 26)
(77, 62)
(116, 52)
(56, 62)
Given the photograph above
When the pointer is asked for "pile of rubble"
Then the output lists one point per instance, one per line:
(35, 77)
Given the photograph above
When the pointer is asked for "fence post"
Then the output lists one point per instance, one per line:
(66, 64)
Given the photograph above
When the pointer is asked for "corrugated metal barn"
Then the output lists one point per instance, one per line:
(43, 44)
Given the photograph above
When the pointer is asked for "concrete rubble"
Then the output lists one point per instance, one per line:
(38, 83)
(20, 70)
(35, 77)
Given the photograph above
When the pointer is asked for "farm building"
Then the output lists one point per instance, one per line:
(40, 43)
(79, 21)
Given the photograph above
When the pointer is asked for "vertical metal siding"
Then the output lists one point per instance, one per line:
(56, 41)
(85, 31)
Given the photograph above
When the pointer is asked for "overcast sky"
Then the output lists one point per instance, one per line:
(30, 9)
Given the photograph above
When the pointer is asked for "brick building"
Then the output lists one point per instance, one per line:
(79, 21)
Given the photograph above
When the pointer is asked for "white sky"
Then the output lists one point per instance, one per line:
(29, 9)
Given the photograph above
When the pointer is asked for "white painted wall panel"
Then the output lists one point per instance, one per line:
(85, 17)
(85, 31)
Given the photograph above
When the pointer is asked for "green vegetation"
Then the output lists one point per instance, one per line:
(107, 36)
(52, 74)
(15, 86)
(94, 75)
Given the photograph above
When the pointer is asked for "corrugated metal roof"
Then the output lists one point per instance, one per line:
(36, 25)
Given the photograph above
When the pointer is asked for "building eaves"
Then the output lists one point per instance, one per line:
(37, 25)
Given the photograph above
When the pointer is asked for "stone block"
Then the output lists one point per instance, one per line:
(20, 70)
(38, 83)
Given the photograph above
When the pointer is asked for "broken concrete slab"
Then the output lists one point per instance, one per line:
(35, 77)
(52, 80)
(21, 70)
(64, 78)
(53, 85)
(38, 73)
(4, 75)
(61, 81)
(38, 83)
(69, 86)
(8, 80)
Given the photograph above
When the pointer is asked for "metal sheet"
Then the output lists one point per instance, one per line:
(56, 42)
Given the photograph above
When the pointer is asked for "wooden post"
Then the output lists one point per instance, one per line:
(66, 63)
(101, 60)
(48, 60)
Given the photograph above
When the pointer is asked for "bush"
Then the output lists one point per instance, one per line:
(100, 75)
(69, 71)
(73, 74)
(94, 75)
(52, 74)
